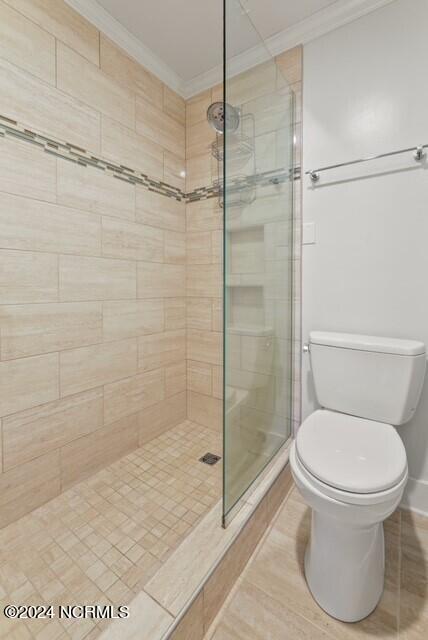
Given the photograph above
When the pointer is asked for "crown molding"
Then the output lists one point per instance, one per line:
(100, 18)
(332, 17)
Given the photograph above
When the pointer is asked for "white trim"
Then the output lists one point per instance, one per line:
(416, 496)
(320, 23)
(100, 18)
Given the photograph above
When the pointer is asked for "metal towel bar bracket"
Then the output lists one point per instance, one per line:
(419, 155)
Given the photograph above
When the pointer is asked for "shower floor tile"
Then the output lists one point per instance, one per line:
(102, 540)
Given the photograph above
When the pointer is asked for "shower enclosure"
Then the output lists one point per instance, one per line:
(254, 149)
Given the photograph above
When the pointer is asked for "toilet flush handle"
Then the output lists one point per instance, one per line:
(306, 348)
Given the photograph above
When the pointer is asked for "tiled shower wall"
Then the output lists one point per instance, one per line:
(92, 262)
(204, 287)
(204, 234)
(97, 296)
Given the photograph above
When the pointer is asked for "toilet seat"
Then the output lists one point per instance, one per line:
(351, 459)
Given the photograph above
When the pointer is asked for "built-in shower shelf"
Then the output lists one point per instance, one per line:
(250, 330)
(236, 226)
(247, 283)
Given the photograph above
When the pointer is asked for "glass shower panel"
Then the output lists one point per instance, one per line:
(257, 193)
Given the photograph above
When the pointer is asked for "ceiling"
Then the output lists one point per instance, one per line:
(187, 34)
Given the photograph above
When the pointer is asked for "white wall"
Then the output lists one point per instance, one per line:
(366, 92)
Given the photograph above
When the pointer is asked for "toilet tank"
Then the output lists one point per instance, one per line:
(368, 376)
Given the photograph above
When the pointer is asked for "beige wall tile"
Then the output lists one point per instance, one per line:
(199, 137)
(155, 124)
(159, 211)
(174, 105)
(132, 149)
(217, 93)
(175, 247)
(83, 278)
(204, 346)
(28, 382)
(64, 23)
(199, 247)
(217, 247)
(85, 456)
(129, 319)
(204, 215)
(199, 377)
(217, 314)
(28, 486)
(154, 280)
(125, 70)
(32, 225)
(26, 171)
(93, 190)
(175, 379)
(28, 277)
(89, 367)
(32, 329)
(253, 83)
(196, 108)
(174, 170)
(34, 432)
(175, 313)
(290, 64)
(204, 410)
(191, 626)
(199, 313)
(160, 349)
(23, 43)
(134, 394)
(204, 281)
(217, 381)
(198, 171)
(53, 113)
(86, 82)
(162, 416)
(132, 241)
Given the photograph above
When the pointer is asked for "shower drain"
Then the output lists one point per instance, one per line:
(209, 458)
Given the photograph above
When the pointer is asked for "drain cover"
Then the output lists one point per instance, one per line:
(209, 458)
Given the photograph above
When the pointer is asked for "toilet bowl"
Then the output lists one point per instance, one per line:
(350, 464)
(344, 561)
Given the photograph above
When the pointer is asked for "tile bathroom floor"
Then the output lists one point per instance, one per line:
(271, 600)
(102, 540)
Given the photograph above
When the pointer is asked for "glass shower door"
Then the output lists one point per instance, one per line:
(257, 192)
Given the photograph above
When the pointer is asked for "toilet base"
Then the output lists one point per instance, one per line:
(345, 567)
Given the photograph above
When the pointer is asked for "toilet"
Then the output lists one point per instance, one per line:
(350, 464)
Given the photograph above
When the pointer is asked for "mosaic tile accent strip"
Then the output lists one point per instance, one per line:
(102, 540)
(65, 150)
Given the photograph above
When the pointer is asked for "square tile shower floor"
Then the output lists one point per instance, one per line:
(103, 539)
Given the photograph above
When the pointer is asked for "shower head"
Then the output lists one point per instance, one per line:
(220, 114)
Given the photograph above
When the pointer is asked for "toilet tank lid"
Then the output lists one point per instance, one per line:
(367, 343)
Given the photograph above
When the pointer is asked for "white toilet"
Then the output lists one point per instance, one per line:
(350, 464)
